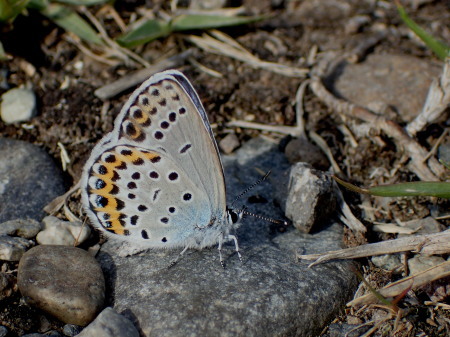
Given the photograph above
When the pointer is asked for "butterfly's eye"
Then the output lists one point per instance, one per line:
(233, 216)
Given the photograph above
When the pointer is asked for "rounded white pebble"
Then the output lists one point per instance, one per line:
(59, 232)
(18, 105)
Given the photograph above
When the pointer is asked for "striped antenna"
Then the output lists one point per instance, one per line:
(248, 189)
(278, 222)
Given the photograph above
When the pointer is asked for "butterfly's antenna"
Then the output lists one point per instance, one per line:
(248, 189)
(278, 222)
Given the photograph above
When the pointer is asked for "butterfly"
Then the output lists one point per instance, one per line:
(156, 180)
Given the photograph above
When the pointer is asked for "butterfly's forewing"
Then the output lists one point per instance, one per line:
(157, 178)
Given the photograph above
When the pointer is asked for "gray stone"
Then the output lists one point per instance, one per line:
(270, 289)
(3, 331)
(66, 282)
(25, 228)
(389, 262)
(18, 105)
(307, 197)
(29, 180)
(60, 232)
(12, 248)
(420, 263)
(398, 81)
(427, 225)
(444, 153)
(71, 330)
(110, 324)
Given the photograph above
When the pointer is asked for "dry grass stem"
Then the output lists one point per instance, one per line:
(322, 144)
(346, 214)
(430, 244)
(204, 69)
(114, 49)
(393, 229)
(75, 40)
(225, 46)
(411, 282)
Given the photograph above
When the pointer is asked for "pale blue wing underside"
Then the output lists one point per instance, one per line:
(163, 119)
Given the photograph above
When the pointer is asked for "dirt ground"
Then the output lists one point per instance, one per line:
(65, 76)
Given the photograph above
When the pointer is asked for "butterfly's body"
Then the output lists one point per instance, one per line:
(156, 180)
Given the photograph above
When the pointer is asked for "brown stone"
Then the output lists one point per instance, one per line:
(66, 282)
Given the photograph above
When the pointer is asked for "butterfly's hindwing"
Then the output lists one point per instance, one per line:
(165, 215)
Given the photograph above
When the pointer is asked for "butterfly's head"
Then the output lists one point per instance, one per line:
(234, 216)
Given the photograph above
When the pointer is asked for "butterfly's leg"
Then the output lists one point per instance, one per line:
(220, 251)
(174, 262)
(234, 238)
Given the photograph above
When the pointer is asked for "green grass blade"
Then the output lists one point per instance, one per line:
(419, 188)
(190, 22)
(412, 189)
(440, 49)
(9, 9)
(38, 4)
(150, 30)
(69, 20)
(82, 2)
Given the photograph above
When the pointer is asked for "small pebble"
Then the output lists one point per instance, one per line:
(110, 324)
(229, 143)
(71, 330)
(66, 282)
(18, 105)
(306, 196)
(25, 228)
(12, 248)
(420, 263)
(60, 232)
(389, 262)
(3, 331)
